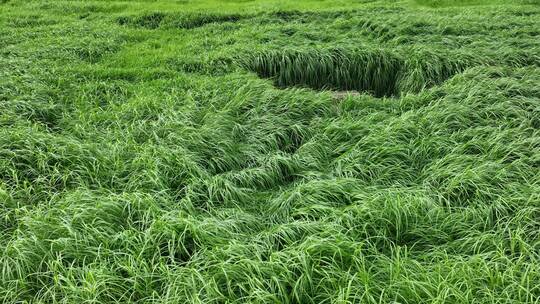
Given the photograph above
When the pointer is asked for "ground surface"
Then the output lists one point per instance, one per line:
(209, 151)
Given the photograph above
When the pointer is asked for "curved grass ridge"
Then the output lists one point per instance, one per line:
(377, 71)
(336, 68)
(179, 20)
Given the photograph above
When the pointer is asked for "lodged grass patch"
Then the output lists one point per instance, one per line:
(375, 71)
(144, 160)
(188, 20)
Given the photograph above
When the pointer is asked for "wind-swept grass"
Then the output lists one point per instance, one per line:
(376, 71)
(450, 3)
(181, 21)
(340, 69)
(148, 162)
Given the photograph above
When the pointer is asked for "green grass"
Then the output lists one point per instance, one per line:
(454, 3)
(198, 152)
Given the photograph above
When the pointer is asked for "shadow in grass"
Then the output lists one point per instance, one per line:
(379, 72)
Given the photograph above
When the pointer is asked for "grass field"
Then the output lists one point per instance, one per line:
(270, 151)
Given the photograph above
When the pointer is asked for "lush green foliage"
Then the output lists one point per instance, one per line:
(453, 3)
(142, 159)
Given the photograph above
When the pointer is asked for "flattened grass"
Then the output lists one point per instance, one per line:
(375, 71)
(142, 163)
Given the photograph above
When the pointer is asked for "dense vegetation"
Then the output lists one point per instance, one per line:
(269, 151)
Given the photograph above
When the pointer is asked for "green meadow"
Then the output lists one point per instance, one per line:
(270, 151)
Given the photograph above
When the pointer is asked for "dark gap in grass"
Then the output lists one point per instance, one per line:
(178, 254)
(333, 69)
(290, 141)
(379, 72)
(172, 241)
(49, 117)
